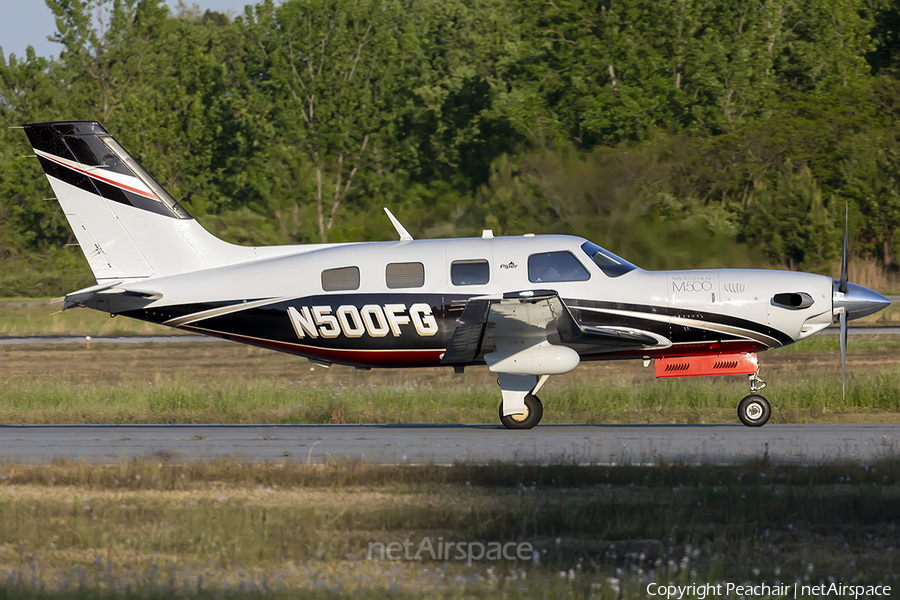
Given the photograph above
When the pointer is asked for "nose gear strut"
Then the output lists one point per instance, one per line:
(756, 382)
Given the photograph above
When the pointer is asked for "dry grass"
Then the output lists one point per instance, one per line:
(305, 530)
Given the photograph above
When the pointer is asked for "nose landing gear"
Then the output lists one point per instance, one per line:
(754, 410)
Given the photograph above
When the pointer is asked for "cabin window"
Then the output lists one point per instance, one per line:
(336, 280)
(405, 275)
(609, 263)
(555, 266)
(470, 272)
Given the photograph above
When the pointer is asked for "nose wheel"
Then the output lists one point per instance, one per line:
(754, 410)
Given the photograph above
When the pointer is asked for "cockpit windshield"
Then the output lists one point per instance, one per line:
(609, 263)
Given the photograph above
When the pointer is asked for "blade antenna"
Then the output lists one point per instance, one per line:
(401, 230)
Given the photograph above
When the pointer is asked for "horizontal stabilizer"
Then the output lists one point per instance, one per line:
(110, 298)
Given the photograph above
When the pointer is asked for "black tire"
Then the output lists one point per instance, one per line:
(754, 411)
(534, 411)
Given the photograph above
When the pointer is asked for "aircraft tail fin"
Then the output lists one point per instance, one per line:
(127, 225)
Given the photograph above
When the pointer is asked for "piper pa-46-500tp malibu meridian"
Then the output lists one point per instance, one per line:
(528, 307)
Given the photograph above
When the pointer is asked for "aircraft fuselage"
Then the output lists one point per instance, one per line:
(406, 301)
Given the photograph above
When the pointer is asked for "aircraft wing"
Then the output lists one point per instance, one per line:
(520, 320)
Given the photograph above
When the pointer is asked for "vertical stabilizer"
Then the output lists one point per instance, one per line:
(127, 225)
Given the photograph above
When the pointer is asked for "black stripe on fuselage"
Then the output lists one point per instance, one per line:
(676, 333)
(272, 322)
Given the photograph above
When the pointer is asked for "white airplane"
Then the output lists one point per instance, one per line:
(528, 307)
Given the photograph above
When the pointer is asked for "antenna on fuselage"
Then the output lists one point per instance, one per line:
(404, 234)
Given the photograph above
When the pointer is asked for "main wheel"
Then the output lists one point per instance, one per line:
(754, 411)
(534, 410)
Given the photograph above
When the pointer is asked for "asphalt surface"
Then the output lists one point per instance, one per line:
(447, 444)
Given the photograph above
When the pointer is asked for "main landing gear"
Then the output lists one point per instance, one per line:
(520, 408)
(534, 410)
(754, 410)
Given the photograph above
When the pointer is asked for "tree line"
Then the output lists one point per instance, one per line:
(679, 133)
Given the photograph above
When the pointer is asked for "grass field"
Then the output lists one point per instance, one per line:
(221, 382)
(230, 529)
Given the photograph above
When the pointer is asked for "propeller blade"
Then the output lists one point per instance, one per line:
(843, 354)
(842, 287)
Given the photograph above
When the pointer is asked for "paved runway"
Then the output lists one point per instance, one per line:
(446, 444)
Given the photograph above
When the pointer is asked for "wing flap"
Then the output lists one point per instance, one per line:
(465, 343)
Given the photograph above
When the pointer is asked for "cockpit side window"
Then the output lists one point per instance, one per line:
(555, 266)
(609, 263)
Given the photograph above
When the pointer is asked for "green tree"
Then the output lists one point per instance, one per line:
(322, 75)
